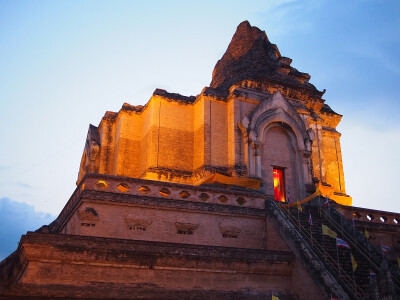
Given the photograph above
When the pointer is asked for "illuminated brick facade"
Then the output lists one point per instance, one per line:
(270, 116)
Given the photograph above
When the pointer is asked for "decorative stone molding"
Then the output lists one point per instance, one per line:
(88, 214)
(311, 134)
(230, 232)
(238, 170)
(134, 223)
(88, 217)
(243, 125)
(186, 228)
(229, 229)
(308, 140)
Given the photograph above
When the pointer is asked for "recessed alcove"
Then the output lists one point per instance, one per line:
(204, 197)
(241, 201)
(164, 192)
(123, 187)
(101, 184)
(223, 199)
(144, 189)
(184, 194)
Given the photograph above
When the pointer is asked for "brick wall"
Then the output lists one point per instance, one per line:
(161, 225)
(185, 137)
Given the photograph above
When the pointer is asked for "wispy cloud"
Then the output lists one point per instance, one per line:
(24, 185)
(290, 15)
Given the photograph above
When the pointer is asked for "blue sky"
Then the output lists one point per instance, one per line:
(64, 63)
(16, 219)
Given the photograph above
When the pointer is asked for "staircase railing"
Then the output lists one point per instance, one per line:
(374, 260)
(347, 281)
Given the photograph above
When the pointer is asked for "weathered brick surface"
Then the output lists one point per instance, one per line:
(147, 267)
(219, 137)
(199, 147)
(176, 149)
(107, 134)
(161, 225)
(250, 55)
(333, 166)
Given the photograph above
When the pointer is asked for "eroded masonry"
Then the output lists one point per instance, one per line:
(237, 192)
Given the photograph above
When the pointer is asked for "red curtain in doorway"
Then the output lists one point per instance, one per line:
(279, 186)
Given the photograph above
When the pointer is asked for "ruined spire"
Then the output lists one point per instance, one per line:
(251, 56)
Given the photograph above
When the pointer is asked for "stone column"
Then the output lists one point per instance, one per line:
(299, 173)
(257, 158)
(251, 158)
(246, 152)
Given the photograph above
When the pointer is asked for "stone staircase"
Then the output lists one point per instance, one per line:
(337, 260)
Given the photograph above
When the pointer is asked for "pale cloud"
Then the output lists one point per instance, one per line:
(371, 163)
(24, 185)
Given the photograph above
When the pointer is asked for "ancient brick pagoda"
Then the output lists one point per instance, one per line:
(195, 197)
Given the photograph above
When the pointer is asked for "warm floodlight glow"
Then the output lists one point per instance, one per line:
(164, 192)
(101, 184)
(123, 187)
(144, 189)
(184, 194)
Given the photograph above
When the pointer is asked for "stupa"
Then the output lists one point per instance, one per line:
(236, 193)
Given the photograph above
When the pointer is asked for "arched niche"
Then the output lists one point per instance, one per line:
(276, 116)
(279, 150)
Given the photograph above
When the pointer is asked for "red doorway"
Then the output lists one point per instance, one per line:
(279, 185)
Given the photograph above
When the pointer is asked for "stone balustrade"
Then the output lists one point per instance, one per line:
(157, 189)
(370, 215)
(165, 190)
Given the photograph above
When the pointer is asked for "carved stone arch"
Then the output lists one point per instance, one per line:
(279, 115)
(277, 112)
(275, 102)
